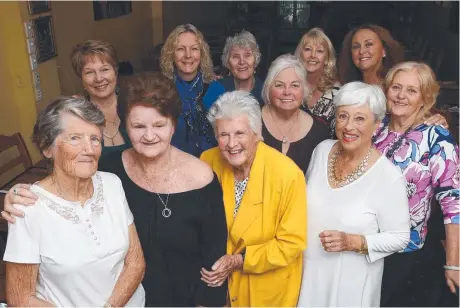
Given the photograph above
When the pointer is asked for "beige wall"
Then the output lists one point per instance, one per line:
(131, 35)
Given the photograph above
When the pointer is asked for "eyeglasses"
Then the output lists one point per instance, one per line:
(82, 140)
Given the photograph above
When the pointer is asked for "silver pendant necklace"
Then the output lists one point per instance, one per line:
(166, 212)
(285, 138)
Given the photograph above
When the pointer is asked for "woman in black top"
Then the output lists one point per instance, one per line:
(285, 126)
(175, 198)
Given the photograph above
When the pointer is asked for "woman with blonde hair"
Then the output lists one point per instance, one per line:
(427, 155)
(317, 54)
(186, 59)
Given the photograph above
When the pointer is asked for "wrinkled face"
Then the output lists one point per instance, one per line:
(314, 56)
(367, 50)
(149, 131)
(187, 56)
(77, 149)
(404, 96)
(237, 141)
(99, 78)
(355, 126)
(241, 63)
(286, 91)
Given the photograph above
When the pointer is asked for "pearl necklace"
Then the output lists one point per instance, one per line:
(353, 176)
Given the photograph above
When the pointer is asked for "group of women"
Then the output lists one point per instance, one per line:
(231, 228)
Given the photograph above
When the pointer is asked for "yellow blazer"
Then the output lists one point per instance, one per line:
(271, 225)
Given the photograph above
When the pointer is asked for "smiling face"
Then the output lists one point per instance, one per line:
(314, 56)
(404, 95)
(99, 78)
(241, 63)
(77, 149)
(286, 91)
(149, 131)
(355, 126)
(187, 56)
(367, 50)
(236, 140)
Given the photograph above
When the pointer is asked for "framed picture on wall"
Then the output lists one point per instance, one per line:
(36, 7)
(44, 36)
(111, 9)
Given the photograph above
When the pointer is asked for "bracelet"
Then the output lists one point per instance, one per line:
(452, 267)
(363, 249)
(108, 305)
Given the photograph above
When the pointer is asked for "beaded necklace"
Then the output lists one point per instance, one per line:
(396, 144)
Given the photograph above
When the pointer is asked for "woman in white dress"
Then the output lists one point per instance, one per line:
(78, 245)
(357, 204)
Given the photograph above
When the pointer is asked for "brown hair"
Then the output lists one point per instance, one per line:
(429, 87)
(169, 47)
(394, 54)
(90, 49)
(151, 89)
(317, 36)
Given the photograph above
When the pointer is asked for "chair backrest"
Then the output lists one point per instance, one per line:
(7, 142)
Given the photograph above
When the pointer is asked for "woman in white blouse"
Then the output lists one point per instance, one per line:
(357, 204)
(78, 245)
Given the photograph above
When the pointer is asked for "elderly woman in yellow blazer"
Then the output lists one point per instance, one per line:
(265, 205)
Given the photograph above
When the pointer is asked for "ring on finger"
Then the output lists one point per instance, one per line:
(15, 191)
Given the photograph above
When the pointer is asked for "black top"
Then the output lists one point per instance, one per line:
(175, 248)
(300, 151)
(229, 85)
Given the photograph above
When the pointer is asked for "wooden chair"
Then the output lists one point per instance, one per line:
(30, 173)
(7, 142)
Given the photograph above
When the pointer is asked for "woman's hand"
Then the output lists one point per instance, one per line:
(221, 269)
(452, 279)
(18, 194)
(437, 119)
(336, 241)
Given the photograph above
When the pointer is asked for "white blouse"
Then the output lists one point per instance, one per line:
(80, 249)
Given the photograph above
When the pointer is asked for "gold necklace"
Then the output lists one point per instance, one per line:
(54, 182)
(285, 137)
(352, 176)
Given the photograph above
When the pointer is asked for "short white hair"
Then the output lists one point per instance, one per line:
(280, 64)
(244, 39)
(234, 104)
(359, 93)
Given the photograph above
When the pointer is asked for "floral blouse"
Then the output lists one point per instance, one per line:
(428, 158)
(324, 109)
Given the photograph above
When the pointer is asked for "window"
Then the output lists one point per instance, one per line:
(294, 14)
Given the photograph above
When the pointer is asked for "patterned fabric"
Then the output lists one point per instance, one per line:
(428, 158)
(68, 212)
(240, 188)
(324, 108)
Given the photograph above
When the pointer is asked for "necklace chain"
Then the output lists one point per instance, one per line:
(285, 137)
(352, 176)
(166, 212)
(58, 188)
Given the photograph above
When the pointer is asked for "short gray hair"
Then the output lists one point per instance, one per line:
(49, 124)
(280, 64)
(244, 39)
(236, 103)
(359, 93)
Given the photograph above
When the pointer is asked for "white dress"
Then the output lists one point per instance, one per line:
(375, 205)
(80, 250)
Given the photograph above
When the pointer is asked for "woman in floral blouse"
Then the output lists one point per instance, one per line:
(317, 54)
(428, 157)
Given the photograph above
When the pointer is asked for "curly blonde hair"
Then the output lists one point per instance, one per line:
(429, 87)
(169, 47)
(317, 36)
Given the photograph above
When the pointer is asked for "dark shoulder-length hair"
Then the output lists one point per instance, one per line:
(393, 49)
